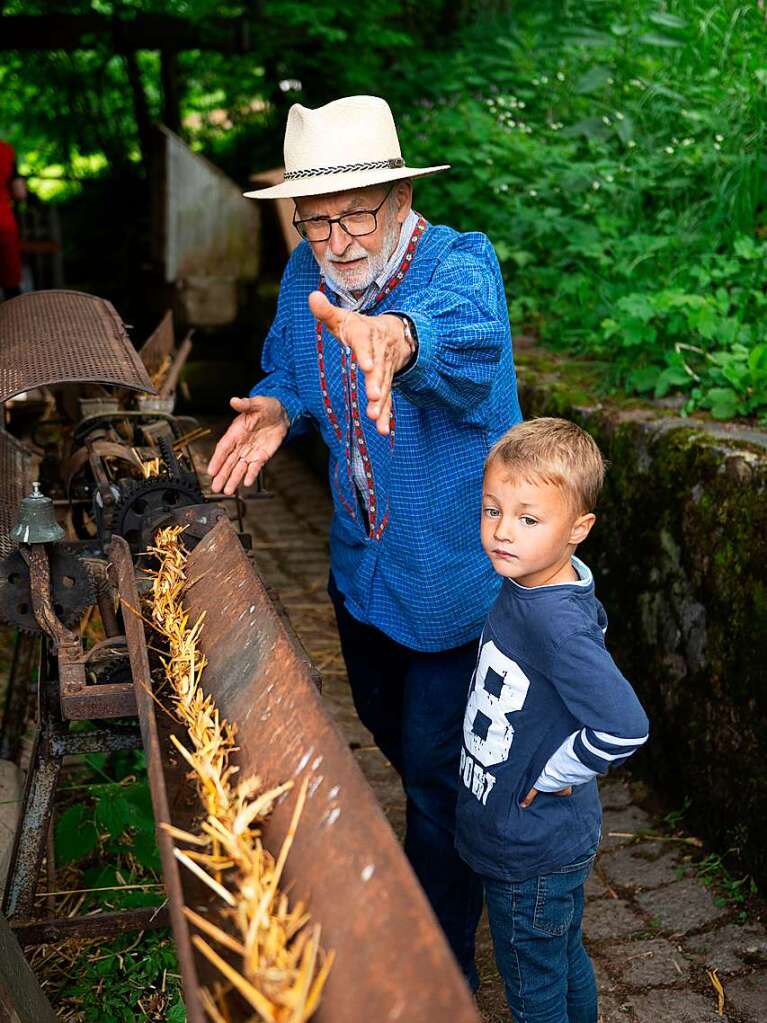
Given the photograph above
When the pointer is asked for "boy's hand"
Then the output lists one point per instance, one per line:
(534, 792)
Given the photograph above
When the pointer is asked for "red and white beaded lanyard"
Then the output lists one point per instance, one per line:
(350, 377)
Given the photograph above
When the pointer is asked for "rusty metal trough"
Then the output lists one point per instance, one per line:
(392, 961)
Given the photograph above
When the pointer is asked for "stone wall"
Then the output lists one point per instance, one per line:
(679, 552)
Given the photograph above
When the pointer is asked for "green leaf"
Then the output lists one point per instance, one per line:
(176, 1013)
(747, 248)
(113, 813)
(595, 78)
(659, 89)
(667, 20)
(625, 129)
(100, 877)
(643, 379)
(75, 834)
(144, 850)
(590, 127)
(737, 374)
(521, 258)
(672, 376)
(727, 330)
(757, 359)
(96, 761)
(135, 900)
(502, 251)
(656, 39)
(704, 320)
(637, 305)
(635, 332)
(584, 35)
(140, 799)
(723, 402)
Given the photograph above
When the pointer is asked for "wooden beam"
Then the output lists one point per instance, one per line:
(144, 32)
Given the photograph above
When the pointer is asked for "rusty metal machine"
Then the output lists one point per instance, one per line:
(392, 962)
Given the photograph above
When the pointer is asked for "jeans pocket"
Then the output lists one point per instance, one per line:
(555, 897)
(554, 909)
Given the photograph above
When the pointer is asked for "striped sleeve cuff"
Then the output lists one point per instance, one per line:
(584, 755)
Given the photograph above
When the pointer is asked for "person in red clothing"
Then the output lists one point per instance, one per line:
(12, 188)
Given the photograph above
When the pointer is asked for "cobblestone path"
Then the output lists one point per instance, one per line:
(654, 933)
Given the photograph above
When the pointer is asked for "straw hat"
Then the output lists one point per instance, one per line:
(349, 143)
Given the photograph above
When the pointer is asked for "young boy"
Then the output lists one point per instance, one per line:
(548, 710)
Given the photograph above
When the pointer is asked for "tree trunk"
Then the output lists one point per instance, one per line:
(140, 107)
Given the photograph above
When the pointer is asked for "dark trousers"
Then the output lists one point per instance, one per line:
(414, 703)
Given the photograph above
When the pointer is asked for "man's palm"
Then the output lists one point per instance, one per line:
(248, 444)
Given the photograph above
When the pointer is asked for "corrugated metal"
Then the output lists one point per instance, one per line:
(52, 337)
(210, 230)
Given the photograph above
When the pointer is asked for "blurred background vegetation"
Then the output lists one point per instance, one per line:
(613, 150)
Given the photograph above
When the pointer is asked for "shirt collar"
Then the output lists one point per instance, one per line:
(584, 582)
(358, 302)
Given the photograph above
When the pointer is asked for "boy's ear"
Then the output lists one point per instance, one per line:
(582, 527)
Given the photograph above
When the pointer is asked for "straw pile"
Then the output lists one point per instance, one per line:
(282, 967)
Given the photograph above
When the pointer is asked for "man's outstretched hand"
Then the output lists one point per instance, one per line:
(248, 444)
(379, 344)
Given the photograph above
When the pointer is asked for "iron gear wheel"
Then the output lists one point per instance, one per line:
(103, 670)
(72, 589)
(143, 502)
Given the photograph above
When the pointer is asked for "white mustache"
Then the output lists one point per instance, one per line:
(361, 254)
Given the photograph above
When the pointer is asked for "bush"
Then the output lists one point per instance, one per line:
(615, 155)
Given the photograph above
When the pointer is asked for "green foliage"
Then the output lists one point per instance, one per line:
(613, 150)
(615, 155)
(70, 114)
(728, 891)
(109, 832)
(674, 818)
(124, 981)
(75, 834)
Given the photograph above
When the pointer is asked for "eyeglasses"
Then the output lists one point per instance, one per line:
(357, 223)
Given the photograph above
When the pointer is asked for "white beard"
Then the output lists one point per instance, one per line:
(362, 276)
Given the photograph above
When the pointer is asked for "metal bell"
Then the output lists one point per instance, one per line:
(37, 522)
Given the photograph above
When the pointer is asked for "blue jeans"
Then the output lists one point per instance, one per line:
(536, 928)
(413, 703)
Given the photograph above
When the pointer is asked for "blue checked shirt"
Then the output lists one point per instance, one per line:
(415, 569)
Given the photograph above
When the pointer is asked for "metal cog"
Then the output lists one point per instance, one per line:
(115, 668)
(145, 501)
(72, 589)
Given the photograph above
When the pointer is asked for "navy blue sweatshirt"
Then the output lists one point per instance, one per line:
(547, 708)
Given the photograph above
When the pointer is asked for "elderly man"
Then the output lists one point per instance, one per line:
(392, 338)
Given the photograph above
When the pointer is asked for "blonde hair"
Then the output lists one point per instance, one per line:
(553, 451)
